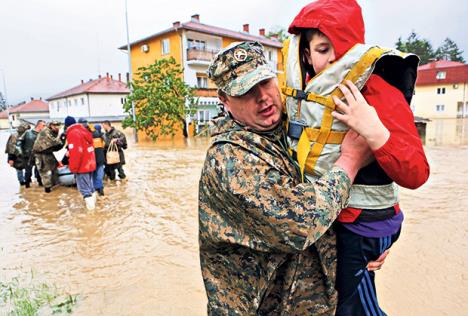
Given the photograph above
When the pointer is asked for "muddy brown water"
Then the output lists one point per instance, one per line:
(137, 253)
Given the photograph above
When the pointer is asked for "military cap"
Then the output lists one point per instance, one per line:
(239, 67)
(55, 122)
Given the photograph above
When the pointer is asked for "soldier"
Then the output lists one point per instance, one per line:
(25, 145)
(46, 143)
(115, 136)
(15, 159)
(264, 236)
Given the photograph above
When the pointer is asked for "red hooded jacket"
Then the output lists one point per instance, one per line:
(80, 149)
(402, 157)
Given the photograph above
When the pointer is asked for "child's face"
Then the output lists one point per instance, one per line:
(320, 53)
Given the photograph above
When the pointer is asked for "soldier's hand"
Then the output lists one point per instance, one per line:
(356, 147)
(11, 163)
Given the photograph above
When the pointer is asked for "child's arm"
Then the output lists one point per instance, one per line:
(400, 155)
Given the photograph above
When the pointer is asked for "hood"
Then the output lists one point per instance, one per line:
(77, 128)
(340, 20)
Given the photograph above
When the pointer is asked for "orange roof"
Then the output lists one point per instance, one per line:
(32, 106)
(455, 72)
(103, 85)
(213, 30)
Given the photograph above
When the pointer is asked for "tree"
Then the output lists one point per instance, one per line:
(162, 99)
(277, 33)
(3, 104)
(449, 51)
(413, 44)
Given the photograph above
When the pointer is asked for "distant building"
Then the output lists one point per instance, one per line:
(29, 112)
(193, 45)
(441, 90)
(96, 100)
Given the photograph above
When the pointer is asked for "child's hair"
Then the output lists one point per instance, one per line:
(306, 37)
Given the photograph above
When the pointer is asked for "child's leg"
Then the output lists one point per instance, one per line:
(355, 285)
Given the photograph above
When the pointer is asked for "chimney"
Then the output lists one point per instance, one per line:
(111, 77)
(32, 99)
(246, 28)
(261, 32)
(120, 77)
(128, 77)
(196, 18)
(40, 98)
(99, 76)
(107, 75)
(176, 24)
(82, 81)
(274, 36)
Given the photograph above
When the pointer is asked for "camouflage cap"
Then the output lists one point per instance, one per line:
(55, 122)
(239, 67)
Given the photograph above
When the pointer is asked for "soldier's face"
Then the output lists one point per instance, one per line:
(259, 108)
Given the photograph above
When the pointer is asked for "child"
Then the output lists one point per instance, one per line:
(325, 61)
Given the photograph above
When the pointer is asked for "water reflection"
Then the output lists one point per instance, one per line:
(447, 132)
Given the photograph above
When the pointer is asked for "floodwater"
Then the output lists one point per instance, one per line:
(137, 253)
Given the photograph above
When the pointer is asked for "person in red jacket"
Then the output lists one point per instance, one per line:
(82, 161)
(379, 113)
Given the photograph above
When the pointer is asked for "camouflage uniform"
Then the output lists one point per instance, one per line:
(121, 145)
(259, 227)
(265, 243)
(46, 143)
(11, 149)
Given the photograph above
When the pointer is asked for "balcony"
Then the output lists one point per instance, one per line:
(197, 56)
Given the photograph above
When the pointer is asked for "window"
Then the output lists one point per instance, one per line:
(440, 108)
(82, 101)
(76, 102)
(269, 55)
(165, 46)
(203, 116)
(441, 75)
(123, 100)
(196, 44)
(440, 90)
(202, 82)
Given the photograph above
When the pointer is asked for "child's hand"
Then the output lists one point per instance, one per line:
(360, 116)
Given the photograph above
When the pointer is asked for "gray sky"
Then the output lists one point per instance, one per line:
(48, 46)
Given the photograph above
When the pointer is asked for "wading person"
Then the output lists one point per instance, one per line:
(98, 174)
(14, 156)
(324, 58)
(25, 144)
(115, 136)
(264, 236)
(47, 142)
(81, 160)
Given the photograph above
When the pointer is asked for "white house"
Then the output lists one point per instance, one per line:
(96, 100)
(29, 112)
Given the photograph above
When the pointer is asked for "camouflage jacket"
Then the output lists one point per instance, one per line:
(121, 142)
(47, 142)
(259, 227)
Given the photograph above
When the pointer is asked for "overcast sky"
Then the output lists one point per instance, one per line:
(47, 46)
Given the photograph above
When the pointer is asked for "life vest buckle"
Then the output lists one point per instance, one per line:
(301, 95)
(295, 129)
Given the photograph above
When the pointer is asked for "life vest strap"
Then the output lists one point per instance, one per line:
(308, 96)
(334, 137)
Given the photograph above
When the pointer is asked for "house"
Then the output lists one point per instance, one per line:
(441, 90)
(193, 45)
(96, 100)
(4, 123)
(29, 112)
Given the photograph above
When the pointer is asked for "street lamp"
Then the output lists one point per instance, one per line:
(6, 98)
(130, 74)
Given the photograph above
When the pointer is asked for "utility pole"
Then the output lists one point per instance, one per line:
(6, 99)
(130, 74)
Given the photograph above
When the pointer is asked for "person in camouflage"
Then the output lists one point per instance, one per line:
(46, 143)
(113, 135)
(25, 144)
(15, 158)
(264, 236)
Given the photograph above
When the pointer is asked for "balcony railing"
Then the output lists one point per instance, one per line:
(201, 54)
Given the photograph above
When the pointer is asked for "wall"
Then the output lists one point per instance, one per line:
(106, 105)
(426, 99)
